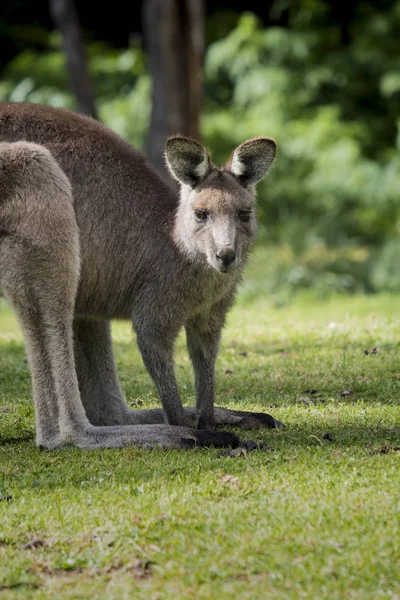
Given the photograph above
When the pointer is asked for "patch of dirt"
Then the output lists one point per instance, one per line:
(140, 569)
(33, 544)
(386, 449)
(244, 448)
(43, 568)
(6, 498)
(230, 479)
(304, 400)
(236, 452)
(19, 584)
(373, 351)
(137, 402)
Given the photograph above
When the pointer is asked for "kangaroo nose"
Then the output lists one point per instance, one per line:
(226, 257)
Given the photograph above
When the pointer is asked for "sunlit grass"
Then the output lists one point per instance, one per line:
(311, 519)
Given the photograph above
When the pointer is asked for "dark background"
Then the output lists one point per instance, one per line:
(321, 77)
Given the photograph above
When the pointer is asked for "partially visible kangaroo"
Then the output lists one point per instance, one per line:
(90, 232)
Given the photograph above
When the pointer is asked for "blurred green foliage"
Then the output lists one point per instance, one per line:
(331, 203)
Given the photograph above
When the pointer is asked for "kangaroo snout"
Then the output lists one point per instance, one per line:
(225, 258)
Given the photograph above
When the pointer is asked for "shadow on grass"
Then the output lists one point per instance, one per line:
(304, 429)
(311, 433)
(302, 443)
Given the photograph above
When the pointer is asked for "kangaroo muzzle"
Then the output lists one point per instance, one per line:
(225, 258)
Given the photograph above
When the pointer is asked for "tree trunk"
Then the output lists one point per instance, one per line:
(66, 19)
(175, 42)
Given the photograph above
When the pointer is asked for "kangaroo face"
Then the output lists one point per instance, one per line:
(216, 218)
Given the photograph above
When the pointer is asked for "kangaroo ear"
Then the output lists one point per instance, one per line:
(187, 160)
(252, 159)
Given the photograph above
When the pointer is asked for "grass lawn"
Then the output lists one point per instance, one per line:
(312, 518)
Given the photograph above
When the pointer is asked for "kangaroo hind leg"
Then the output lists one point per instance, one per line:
(39, 270)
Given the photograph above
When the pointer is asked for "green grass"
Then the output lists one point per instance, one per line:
(311, 519)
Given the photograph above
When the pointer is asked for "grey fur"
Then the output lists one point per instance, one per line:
(89, 233)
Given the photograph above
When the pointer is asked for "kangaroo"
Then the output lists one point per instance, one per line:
(89, 232)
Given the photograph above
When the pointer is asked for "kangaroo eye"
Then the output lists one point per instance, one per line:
(201, 215)
(244, 215)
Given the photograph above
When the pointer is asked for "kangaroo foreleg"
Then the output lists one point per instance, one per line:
(156, 346)
(203, 335)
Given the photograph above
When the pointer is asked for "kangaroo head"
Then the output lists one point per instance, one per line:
(216, 218)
